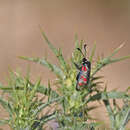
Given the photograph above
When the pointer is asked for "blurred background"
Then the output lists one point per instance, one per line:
(106, 22)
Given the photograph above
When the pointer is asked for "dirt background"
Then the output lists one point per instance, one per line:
(105, 21)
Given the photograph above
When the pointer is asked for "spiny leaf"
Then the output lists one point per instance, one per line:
(96, 78)
(49, 90)
(96, 83)
(54, 50)
(120, 59)
(116, 50)
(6, 105)
(39, 123)
(110, 111)
(47, 118)
(42, 106)
(125, 118)
(34, 89)
(3, 122)
(44, 90)
(92, 53)
(41, 89)
(110, 95)
(44, 62)
(108, 60)
(92, 108)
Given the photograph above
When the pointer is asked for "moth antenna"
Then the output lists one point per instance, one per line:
(80, 51)
(85, 50)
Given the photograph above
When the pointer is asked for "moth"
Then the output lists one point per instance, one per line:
(84, 71)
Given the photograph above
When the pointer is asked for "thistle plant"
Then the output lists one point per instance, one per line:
(23, 104)
(73, 111)
(75, 105)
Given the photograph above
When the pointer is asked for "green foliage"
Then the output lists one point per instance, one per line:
(75, 105)
(23, 105)
(73, 112)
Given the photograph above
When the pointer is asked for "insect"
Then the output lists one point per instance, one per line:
(84, 71)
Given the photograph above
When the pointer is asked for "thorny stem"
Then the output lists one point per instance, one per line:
(110, 112)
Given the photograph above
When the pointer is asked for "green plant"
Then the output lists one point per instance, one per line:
(119, 117)
(74, 112)
(74, 107)
(23, 104)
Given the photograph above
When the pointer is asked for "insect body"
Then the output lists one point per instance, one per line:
(84, 72)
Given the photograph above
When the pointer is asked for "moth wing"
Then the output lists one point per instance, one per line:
(89, 70)
(78, 76)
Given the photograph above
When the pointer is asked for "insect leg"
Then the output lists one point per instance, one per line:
(76, 66)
